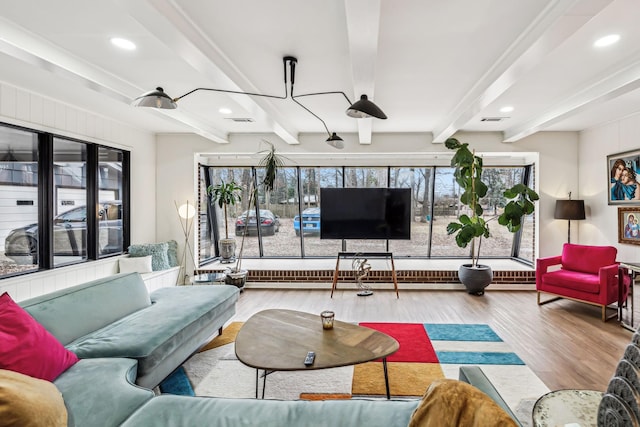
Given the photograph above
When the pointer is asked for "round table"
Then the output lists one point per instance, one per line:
(567, 408)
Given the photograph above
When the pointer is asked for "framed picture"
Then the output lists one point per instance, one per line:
(629, 225)
(623, 174)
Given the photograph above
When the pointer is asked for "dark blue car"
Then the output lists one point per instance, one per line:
(310, 221)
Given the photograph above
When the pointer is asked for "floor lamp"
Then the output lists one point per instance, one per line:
(569, 209)
(186, 212)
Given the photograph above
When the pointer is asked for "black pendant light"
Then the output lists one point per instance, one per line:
(364, 108)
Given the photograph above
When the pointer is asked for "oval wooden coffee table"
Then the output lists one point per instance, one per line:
(278, 340)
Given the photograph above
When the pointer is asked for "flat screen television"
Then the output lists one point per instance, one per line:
(365, 213)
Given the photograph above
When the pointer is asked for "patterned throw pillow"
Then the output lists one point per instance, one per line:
(172, 253)
(158, 252)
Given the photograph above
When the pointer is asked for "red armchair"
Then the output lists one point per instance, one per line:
(587, 274)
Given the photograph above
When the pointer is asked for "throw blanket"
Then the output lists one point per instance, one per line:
(453, 403)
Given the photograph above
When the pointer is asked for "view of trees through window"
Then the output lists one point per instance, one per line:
(289, 216)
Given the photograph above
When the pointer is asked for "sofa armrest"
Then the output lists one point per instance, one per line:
(542, 264)
(473, 375)
(609, 275)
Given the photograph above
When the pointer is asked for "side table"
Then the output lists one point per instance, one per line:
(208, 278)
(567, 408)
(634, 271)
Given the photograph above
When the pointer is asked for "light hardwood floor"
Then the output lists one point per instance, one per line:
(564, 342)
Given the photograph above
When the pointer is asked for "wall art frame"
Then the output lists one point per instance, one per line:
(623, 178)
(629, 225)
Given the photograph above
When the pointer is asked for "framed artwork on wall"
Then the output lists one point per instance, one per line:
(629, 225)
(623, 174)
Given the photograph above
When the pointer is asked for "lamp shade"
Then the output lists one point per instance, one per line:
(186, 211)
(569, 209)
(335, 141)
(155, 99)
(364, 108)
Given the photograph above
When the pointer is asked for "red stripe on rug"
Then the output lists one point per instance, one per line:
(415, 345)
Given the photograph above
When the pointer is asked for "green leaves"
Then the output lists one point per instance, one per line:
(225, 193)
(468, 174)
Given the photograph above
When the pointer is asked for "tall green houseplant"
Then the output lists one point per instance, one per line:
(226, 194)
(472, 228)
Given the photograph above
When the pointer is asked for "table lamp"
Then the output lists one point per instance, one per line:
(569, 209)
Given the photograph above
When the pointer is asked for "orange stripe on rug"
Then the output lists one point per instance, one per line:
(325, 396)
(228, 336)
(405, 379)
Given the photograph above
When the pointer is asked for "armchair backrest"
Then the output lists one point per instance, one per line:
(587, 259)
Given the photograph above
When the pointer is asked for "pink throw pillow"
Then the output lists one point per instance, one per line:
(27, 347)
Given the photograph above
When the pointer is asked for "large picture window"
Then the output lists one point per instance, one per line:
(292, 212)
(61, 201)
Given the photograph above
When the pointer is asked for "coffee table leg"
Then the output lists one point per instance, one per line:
(257, 377)
(386, 376)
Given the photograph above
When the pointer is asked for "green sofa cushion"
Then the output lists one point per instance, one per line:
(73, 312)
(158, 252)
(177, 411)
(100, 392)
(155, 333)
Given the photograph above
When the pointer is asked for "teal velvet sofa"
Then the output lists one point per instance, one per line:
(129, 340)
(117, 317)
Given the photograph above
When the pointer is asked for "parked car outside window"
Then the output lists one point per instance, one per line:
(310, 221)
(269, 223)
(69, 234)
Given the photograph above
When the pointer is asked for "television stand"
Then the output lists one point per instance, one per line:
(366, 255)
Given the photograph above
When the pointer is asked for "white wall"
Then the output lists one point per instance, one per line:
(30, 110)
(601, 225)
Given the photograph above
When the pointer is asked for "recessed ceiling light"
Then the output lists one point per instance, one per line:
(506, 109)
(225, 110)
(123, 43)
(607, 40)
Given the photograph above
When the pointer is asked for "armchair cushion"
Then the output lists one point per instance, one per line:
(587, 259)
(574, 280)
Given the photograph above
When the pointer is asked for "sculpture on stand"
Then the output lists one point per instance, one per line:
(361, 269)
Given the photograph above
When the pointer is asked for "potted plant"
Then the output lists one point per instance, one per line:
(225, 194)
(270, 161)
(471, 228)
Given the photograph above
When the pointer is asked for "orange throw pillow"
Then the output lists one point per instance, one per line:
(453, 403)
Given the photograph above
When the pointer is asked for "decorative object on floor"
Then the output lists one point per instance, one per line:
(361, 269)
(471, 225)
(629, 225)
(186, 212)
(622, 182)
(226, 194)
(217, 372)
(569, 210)
(363, 108)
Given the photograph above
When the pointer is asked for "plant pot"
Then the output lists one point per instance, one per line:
(227, 250)
(475, 279)
(236, 278)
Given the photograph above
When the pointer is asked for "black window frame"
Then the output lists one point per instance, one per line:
(45, 200)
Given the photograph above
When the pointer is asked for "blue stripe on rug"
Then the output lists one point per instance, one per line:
(460, 332)
(478, 358)
(177, 383)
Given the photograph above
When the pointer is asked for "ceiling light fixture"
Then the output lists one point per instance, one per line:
(506, 109)
(225, 110)
(607, 40)
(123, 43)
(362, 108)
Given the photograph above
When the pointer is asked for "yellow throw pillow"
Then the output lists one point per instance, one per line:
(30, 402)
(453, 403)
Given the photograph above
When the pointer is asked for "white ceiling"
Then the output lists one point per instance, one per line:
(433, 66)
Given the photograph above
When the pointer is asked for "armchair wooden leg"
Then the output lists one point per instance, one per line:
(549, 300)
